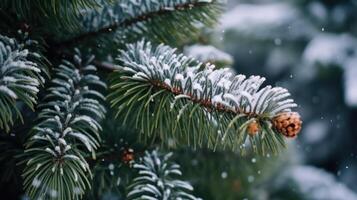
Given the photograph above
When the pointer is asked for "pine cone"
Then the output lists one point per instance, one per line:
(127, 155)
(288, 124)
(253, 128)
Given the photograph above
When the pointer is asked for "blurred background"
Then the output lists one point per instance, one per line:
(309, 47)
(306, 46)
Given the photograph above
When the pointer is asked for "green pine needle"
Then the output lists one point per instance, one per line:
(63, 13)
(169, 96)
(68, 128)
(157, 179)
(169, 21)
(21, 76)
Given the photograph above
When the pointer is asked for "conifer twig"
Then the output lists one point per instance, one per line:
(136, 19)
(174, 97)
(130, 21)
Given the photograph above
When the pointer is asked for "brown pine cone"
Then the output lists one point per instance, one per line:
(253, 128)
(288, 124)
(127, 155)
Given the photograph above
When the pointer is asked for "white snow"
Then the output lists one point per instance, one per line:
(350, 81)
(340, 50)
(266, 21)
(7, 91)
(179, 77)
(111, 166)
(77, 190)
(318, 10)
(315, 184)
(242, 93)
(224, 175)
(251, 179)
(316, 131)
(328, 49)
(208, 53)
(245, 15)
(36, 182)
(53, 193)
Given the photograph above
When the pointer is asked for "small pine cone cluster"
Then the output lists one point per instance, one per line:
(127, 155)
(288, 124)
(253, 128)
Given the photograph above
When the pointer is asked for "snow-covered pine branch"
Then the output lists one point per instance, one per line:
(68, 128)
(180, 101)
(21, 76)
(157, 179)
(169, 21)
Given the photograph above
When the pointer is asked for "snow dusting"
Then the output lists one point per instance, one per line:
(314, 184)
(266, 21)
(330, 49)
(208, 53)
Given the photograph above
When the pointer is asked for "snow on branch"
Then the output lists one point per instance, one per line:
(157, 179)
(21, 76)
(180, 100)
(68, 127)
(209, 54)
(166, 21)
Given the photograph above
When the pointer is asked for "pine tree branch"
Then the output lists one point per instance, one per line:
(49, 14)
(128, 22)
(21, 76)
(169, 21)
(175, 98)
(156, 179)
(68, 126)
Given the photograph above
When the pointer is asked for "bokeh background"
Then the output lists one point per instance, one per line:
(306, 46)
(309, 47)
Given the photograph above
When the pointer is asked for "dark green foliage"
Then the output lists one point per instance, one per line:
(68, 126)
(54, 13)
(156, 179)
(21, 75)
(173, 22)
(169, 96)
(68, 154)
(213, 172)
(111, 173)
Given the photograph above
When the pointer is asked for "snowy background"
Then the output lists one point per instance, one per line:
(309, 47)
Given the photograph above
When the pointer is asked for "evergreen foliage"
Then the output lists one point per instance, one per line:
(157, 90)
(111, 173)
(68, 126)
(51, 13)
(114, 24)
(156, 180)
(153, 19)
(157, 95)
(20, 79)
